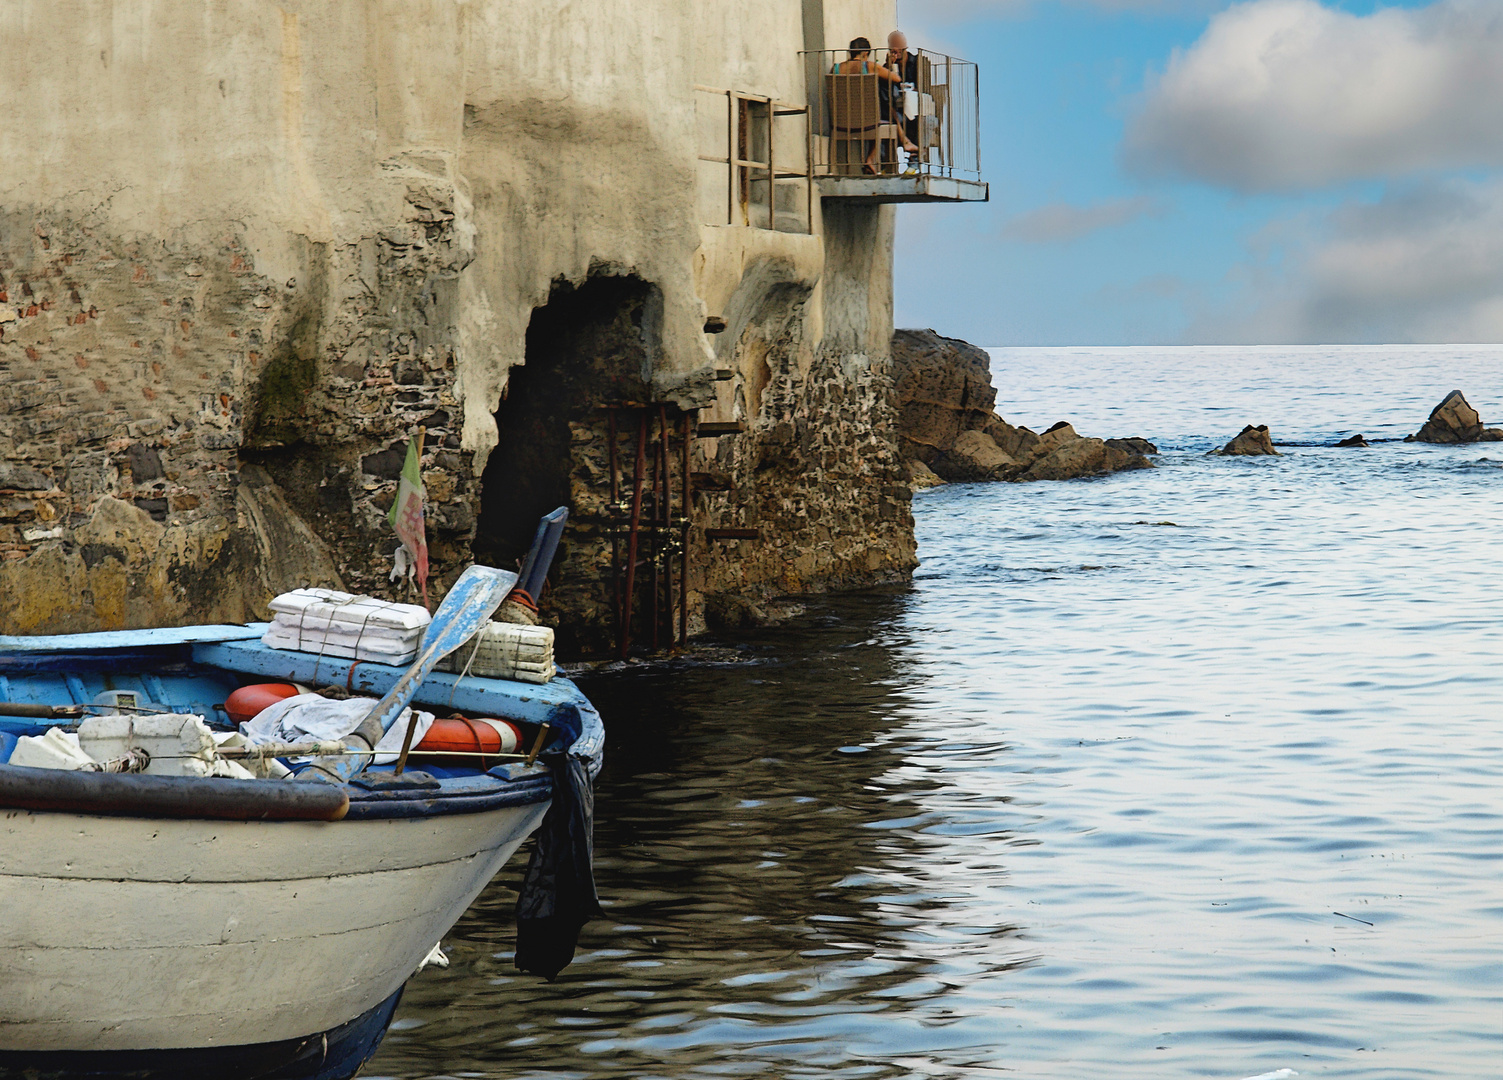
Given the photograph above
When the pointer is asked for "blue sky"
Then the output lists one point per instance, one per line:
(1187, 171)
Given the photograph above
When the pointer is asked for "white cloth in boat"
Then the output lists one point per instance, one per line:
(311, 716)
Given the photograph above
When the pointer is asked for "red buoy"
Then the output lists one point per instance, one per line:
(247, 702)
(461, 735)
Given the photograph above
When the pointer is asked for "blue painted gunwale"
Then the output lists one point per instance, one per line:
(198, 673)
(471, 694)
(131, 639)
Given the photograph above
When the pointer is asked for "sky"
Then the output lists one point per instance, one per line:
(1201, 172)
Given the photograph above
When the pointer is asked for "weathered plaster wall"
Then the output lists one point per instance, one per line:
(248, 247)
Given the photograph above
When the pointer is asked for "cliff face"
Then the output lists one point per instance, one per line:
(949, 431)
(244, 257)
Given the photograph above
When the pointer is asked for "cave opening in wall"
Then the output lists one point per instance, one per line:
(588, 347)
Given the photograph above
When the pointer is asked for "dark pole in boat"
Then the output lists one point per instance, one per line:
(41, 712)
(631, 542)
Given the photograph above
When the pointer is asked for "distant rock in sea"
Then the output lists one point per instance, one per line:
(1455, 421)
(948, 430)
(1355, 440)
(1133, 445)
(1250, 442)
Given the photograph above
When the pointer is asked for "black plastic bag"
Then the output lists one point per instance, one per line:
(558, 892)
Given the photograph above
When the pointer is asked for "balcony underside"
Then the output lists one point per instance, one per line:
(902, 189)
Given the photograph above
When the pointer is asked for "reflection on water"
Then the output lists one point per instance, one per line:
(765, 862)
(1192, 772)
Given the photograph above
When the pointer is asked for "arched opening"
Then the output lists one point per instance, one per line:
(588, 347)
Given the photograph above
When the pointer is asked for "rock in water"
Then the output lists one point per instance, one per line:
(944, 387)
(947, 426)
(1355, 440)
(976, 456)
(1083, 457)
(1455, 421)
(1251, 442)
(1133, 445)
(920, 476)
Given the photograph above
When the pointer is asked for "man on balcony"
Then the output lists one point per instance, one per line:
(905, 65)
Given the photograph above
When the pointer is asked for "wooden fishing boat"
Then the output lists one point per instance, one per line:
(177, 926)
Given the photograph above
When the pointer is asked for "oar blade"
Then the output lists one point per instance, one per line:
(474, 598)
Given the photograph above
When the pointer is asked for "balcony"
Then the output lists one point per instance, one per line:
(859, 136)
(763, 161)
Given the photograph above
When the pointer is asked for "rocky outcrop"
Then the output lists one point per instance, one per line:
(1250, 442)
(1455, 421)
(948, 429)
(944, 387)
(1353, 441)
(1083, 457)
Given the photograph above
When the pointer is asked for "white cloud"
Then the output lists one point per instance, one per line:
(1289, 94)
(1061, 222)
(1421, 265)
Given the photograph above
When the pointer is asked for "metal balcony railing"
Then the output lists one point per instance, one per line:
(863, 125)
(858, 136)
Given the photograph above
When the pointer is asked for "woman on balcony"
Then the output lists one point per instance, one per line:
(861, 63)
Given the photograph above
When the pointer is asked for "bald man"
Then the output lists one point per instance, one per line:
(906, 65)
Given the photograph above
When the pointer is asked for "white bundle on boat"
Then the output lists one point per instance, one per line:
(506, 651)
(332, 623)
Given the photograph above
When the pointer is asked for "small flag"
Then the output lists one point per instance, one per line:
(407, 515)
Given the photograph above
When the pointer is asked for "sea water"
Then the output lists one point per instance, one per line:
(1189, 772)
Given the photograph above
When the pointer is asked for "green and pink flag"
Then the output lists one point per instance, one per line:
(407, 514)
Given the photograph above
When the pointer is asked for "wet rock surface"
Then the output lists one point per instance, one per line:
(1353, 441)
(948, 427)
(1133, 445)
(1455, 421)
(1250, 442)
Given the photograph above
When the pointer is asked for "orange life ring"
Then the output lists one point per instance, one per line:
(461, 735)
(247, 702)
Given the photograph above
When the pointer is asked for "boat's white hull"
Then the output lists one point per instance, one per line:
(131, 933)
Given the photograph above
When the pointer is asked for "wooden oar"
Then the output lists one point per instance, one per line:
(470, 604)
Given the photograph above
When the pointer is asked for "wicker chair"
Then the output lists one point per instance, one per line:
(856, 122)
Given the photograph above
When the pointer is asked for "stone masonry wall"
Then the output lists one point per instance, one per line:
(177, 431)
(817, 472)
